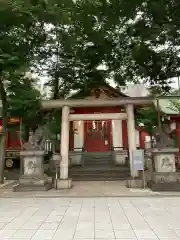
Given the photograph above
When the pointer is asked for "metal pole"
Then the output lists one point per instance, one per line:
(144, 180)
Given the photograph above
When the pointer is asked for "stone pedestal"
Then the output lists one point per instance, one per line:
(120, 157)
(33, 177)
(63, 183)
(75, 158)
(164, 160)
(164, 177)
(136, 183)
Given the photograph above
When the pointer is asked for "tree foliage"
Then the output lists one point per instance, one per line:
(21, 33)
(156, 34)
(133, 40)
(147, 117)
(84, 42)
(175, 106)
(24, 101)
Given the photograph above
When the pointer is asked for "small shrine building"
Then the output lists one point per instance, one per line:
(98, 120)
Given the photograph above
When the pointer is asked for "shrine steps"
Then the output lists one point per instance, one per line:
(99, 166)
(97, 158)
(97, 173)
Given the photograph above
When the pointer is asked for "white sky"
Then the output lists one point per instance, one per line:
(43, 80)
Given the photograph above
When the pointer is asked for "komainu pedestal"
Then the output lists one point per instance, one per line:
(33, 177)
(164, 177)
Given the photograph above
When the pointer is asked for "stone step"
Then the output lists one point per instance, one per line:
(94, 162)
(99, 169)
(97, 159)
(31, 188)
(99, 173)
(101, 176)
(97, 156)
(87, 178)
(96, 172)
(97, 153)
(164, 187)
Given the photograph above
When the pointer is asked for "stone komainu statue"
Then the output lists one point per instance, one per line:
(37, 139)
(162, 137)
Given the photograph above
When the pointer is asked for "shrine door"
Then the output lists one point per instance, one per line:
(97, 136)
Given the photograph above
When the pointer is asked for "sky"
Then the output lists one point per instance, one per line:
(43, 80)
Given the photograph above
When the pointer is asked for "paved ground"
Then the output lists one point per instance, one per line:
(90, 218)
(83, 189)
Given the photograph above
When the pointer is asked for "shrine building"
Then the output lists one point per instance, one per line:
(99, 121)
(104, 127)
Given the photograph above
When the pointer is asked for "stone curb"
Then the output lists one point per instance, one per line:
(89, 197)
(7, 184)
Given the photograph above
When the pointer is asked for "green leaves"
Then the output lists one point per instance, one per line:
(80, 43)
(175, 106)
(24, 99)
(148, 117)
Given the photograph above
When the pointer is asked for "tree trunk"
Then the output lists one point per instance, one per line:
(26, 133)
(4, 127)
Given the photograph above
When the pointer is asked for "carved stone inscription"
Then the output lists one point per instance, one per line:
(31, 165)
(165, 163)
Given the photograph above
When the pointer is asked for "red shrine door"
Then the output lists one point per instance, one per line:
(97, 136)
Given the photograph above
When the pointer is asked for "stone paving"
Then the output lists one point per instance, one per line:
(90, 218)
(83, 189)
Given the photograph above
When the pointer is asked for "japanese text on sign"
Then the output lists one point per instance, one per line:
(138, 160)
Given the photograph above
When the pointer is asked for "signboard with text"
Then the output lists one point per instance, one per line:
(138, 160)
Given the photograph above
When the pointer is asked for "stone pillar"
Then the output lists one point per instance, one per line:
(64, 143)
(131, 135)
(64, 182)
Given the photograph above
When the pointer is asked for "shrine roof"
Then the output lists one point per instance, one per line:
(166, 107)
(104, 88)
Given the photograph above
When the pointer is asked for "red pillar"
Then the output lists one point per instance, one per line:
(141, 139)
(178, 145)
(178, 135)
(124, 134)
(71, 137)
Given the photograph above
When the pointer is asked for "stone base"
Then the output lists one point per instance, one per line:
(168, 182)
(120, 157)
(136, 183)
(63, 183)
(164, 187)
(33, 183)
(164, 160)
(31, 188)
(75, 158)
(165, 177)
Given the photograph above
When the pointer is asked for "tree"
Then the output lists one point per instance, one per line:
(129, 38)
(24, 101)
(156, 34)
(147, 117)
(21, 33)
